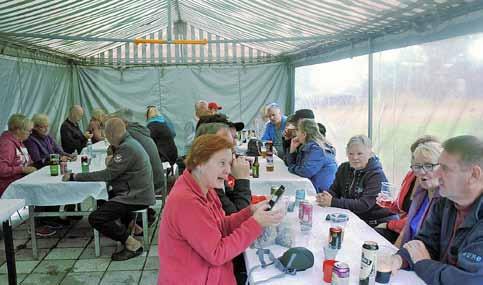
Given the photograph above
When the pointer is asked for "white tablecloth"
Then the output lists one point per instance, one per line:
(41, 189)
(8, 207)
(356, 233)
(280, 176)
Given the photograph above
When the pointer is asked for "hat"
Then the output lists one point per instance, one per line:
(213, 105)
(304, 114)
(237, 125)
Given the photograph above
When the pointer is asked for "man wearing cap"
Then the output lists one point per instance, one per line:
(214, 107)
(275, 128)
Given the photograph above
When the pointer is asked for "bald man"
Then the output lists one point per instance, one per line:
(72, 138)
(201, 109)
(130, 174)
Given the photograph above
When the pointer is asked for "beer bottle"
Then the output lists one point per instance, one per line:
(256, 168)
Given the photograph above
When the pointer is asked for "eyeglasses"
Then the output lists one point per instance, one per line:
(425, 166)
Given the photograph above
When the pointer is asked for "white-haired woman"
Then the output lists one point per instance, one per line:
(357, 184)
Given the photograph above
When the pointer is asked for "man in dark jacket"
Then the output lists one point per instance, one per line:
(129, 173)
(449, 247)
(72, 138)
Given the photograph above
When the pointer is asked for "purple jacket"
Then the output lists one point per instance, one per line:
(41, 147)
(418, 198)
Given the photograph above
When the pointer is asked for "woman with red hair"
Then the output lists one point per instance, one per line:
(197, 242)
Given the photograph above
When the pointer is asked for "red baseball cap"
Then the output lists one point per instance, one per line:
(213, 105)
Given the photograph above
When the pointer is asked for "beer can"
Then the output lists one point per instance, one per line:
(367, 275)
(335, 237)
(306, 221)
(340, 274)
(299, 195)
(273, 189)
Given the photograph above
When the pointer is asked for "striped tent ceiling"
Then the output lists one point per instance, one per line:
(90, 28)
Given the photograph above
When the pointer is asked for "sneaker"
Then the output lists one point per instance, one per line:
(126, 254)
(44, 231)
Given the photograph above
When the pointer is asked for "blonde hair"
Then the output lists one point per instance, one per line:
(311, 130)
(19, 122)
(40, 119)
(98, 114)
(430, 150)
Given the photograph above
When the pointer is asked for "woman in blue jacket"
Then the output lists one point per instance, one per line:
(312, 156)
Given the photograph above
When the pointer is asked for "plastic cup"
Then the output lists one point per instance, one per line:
(330, 253)
(389, 193)
(327, 267)
(384, 264)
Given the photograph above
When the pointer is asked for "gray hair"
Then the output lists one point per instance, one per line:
(19, 122)
(359, 139)
(430, 150)
(40, 119)
(468, 148)
(311, 130)
(210, 129)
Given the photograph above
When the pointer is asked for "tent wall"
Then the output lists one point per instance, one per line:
(31, 87)
(421, 33)
(241, 90)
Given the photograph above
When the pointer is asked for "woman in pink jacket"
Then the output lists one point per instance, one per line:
(14, 158)
(197, 242)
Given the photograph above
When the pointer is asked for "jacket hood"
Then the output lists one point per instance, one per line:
(7, 135)
(136, 127)
(159, 119)
(373, 165)
(328, 149)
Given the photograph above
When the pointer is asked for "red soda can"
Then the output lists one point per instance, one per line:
(63, 167)
(301, 209)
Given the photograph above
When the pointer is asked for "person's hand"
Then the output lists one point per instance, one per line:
(324, 199)
(262, 204)
(66, 177)
(64, 158)
(108, 159)
(417, 250)
(28, 169)
(396, 263)
(382, 226)
(294, 144)
(88, 135)
(380, 199)
(267, 218)
(240, 168)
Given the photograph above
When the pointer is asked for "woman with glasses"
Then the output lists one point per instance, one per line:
(424, 163)
(392, 229)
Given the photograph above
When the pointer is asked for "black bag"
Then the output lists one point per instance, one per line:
(254, 147)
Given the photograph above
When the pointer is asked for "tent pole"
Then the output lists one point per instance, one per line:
(370, 91)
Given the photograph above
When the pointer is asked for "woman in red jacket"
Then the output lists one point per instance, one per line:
(197, 242)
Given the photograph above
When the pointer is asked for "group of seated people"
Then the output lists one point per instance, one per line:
(208, 220)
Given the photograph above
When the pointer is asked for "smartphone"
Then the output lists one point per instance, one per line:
(276, 197)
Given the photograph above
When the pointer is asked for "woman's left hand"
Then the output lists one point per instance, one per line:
(294, 144)
(324, 199)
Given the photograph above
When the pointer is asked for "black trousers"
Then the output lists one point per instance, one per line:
(104, 219)
(391, 236)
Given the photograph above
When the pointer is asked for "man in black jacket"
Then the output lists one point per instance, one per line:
(72, 138)
(449, 247)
